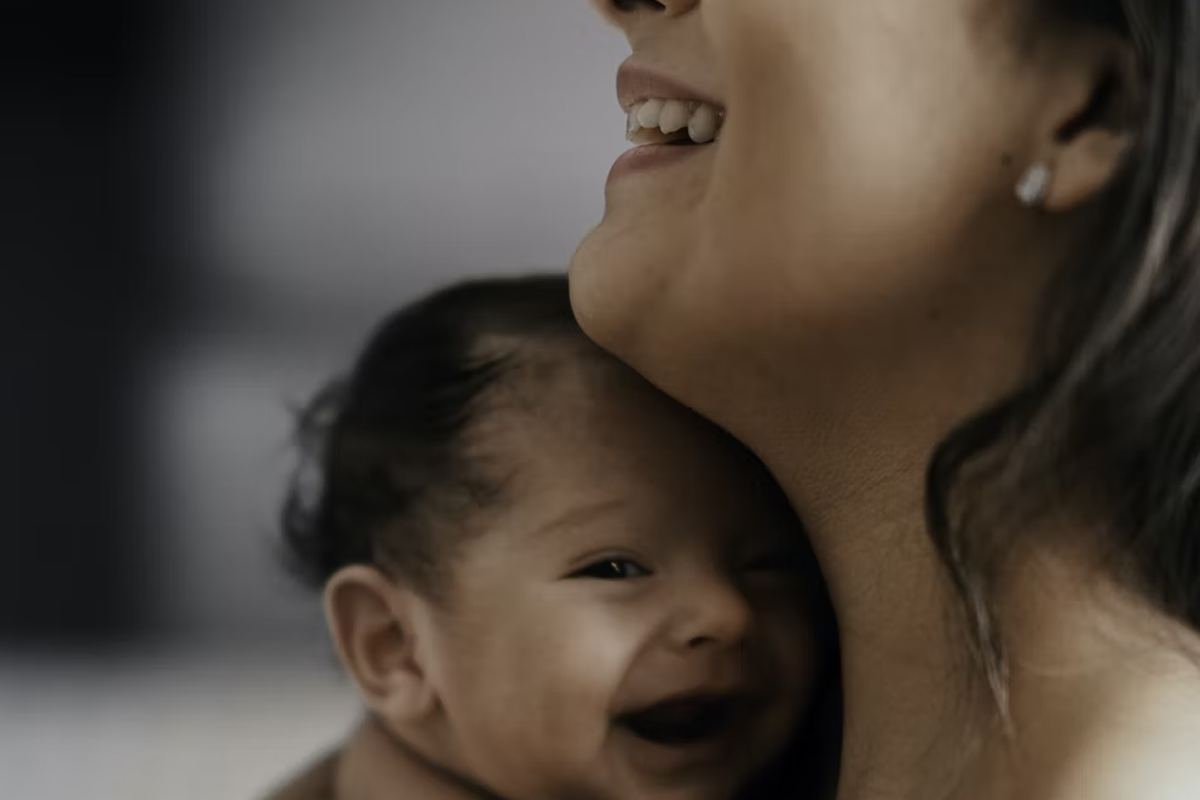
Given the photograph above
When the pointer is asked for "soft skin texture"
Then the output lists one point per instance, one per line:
(840, 280)
(516, 677)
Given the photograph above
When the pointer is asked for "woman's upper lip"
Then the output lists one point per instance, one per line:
(636, 84)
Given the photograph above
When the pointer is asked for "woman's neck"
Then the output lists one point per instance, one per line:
(909, 693)
(920, 723)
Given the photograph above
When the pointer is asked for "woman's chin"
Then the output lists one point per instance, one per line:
(632, 307)
(608, 292)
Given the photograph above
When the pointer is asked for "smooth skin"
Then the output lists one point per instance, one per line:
(633, 557)
(839, 281)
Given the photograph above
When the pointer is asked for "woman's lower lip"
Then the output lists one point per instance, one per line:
(648, 156)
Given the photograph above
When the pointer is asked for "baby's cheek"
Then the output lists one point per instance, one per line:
(795, 652)
(598, 644)
(567, 671)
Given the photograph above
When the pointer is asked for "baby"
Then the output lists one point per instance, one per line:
(547, 580)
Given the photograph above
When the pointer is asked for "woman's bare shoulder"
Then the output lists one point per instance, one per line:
(1148, 751)
(316, 782)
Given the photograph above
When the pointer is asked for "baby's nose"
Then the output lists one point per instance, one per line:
(714, 613)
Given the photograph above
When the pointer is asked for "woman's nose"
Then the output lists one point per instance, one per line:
(621, 12)
(715, 613)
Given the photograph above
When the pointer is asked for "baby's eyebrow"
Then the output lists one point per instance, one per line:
(580, 516)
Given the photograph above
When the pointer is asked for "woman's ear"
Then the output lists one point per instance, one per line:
(374, 626)
(1085, 168)
(1088, 126)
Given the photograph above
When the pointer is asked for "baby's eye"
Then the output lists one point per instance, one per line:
(612, 569)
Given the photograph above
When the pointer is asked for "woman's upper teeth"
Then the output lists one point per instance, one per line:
(658, 120)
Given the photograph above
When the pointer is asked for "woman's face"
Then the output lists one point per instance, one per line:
(857, 204)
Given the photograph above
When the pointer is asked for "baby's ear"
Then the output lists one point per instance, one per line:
(374, 625)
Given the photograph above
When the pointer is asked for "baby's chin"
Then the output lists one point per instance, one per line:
(709, 771)
(707, 787)
(702, 786)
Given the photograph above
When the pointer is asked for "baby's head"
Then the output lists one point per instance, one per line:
(546, 578)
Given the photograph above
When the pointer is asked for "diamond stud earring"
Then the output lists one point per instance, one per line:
(1033, 186)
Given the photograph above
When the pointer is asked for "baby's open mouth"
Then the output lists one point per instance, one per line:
(685, 721)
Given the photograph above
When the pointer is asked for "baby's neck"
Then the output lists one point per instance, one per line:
(376, 765)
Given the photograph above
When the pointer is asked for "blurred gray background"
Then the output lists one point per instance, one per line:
(220, 201)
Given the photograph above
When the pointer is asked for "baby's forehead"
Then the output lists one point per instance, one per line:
(564, 411)
(544, 379)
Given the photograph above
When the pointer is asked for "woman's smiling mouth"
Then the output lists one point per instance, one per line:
(659, 121)
(667, 119)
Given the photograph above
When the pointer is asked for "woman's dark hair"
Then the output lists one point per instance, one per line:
(389, 466)
(1110, 417)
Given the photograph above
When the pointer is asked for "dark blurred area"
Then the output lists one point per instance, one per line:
(208, 206)
(92, 289)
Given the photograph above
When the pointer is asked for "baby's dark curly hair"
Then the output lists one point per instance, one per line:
(388, 468)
